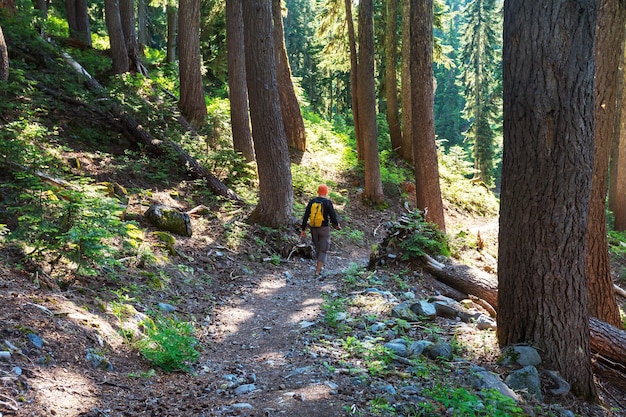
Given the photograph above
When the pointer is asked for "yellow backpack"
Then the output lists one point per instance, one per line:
(317, 214)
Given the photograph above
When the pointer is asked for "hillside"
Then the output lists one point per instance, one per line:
(246, 328)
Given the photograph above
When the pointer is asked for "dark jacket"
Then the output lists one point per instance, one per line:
(330, 217)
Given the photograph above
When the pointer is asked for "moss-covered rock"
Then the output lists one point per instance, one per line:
(169, 219)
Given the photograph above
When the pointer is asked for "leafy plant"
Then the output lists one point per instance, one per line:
(421, 238)
(169, 343)
(461, 402)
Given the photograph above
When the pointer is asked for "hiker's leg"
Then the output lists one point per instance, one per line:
(315, 238)
(323, 234)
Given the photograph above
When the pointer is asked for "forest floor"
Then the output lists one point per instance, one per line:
(265, 346)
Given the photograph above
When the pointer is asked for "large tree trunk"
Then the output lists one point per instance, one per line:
(237, 89)
(4, 58)
(142, 26)
(406, 150)
(354, 79)
(605, 340)
(172, 29)
(192, 102)
(119, 53)
(366, 93)
(427, 187)
(270, 142)
(292, 116)
(78, 20)
(620, 172)
(391, 81)
(546, 180)
(609, 38)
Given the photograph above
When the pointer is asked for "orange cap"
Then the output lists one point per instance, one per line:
(322, 189)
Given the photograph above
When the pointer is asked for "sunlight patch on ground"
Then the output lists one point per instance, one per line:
(64, 393)
(310, 310)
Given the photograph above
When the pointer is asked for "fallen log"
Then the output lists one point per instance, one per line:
(607, 341)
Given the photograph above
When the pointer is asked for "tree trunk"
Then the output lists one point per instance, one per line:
(354, 79)
(609, 38)
(406, 150)
(391, 81)
(172, 29)
(237, 89)
(366, 94)
(620, 172)
(142, 26)
(4, 58)
(292, 116)
(192, 103)
(427, 187)
(546, 181)
(270, 142)
(78, 20)
(119, 53)
(127, 16)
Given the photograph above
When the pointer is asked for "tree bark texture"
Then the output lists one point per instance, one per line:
(270, 142)
(142, 26)
(546, 182)
(78, 20)
(4, 58)
(366, 94)
(237, 89)
(172, 30)
(192, 103)
(609, 38)
(406, 151)
(620, 172)
(119, 53)
(391, 79)
(127, 16)
(292, 116)
(354, 79)
(427, 187)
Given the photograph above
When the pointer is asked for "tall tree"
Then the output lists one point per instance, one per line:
(354, 79)
(237, 89)
(609, 38)
(127, 17)
(4, 58)
(274, 208)
(366, 94)
(427, 187)
(292, 116)
(119, 53)
(192, 103)
(172, 29)
(480, 44)
(406, 150)
(142, 25)
(546, 182)
(78, 20)
(619, 172)
(391, 79)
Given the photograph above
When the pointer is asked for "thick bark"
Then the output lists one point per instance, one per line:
(367, 104)
(270, 142)
(78, 20)
(427, 187)
(609, 38)
(391, 81)
(354, 79)
(618, 173)
(406, 150)
(605, 340)
(127, 17)
(172, 29)
(237, 89)
(4, 58)
(192, 102)
(292, 116)
(119, 53)
(142, 26)
(546, 180)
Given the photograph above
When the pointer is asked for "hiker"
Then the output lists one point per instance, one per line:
(319, 216)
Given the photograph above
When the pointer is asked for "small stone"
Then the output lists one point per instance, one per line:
(35, 340)
(166, 307)
(5, 355)
(245, 389)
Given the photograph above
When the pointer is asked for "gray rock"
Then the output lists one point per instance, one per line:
(169, 219)
(439, 350)
(378, 327)
(424, 309)
(489, 380)
(5, 355)
(35, 340)
(403, 311)
(417, 348)
(241, 406)
(397, 346)
(526, 379)
(166, 307)
(98, 360)
(522, 355)
(245, 389)
(485, 323)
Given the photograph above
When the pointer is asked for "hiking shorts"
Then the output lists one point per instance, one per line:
(321, 241)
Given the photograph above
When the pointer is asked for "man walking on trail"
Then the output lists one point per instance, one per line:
(319, 216)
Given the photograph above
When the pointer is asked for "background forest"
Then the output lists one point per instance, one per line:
(110, 109)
